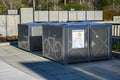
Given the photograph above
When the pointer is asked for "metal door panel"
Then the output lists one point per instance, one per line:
(99, 43)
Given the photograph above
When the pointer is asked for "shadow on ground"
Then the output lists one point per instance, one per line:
(15, 44)
(51, 70)
(99, 70)
(44, 69)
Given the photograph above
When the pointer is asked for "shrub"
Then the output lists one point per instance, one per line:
(75, 7)
(108, 14)
(2, 39)
(116, 46)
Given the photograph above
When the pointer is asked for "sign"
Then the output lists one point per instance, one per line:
(78, 38)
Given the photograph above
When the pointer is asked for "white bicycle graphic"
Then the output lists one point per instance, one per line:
(51, 46)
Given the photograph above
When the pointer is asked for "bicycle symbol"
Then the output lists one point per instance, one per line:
(51, 46)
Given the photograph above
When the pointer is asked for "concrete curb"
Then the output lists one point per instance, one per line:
(116, 54)
(4, 44)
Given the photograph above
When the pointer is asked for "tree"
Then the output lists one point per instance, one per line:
(101, 4)
(27, 3)
(116, 5)
(2, 10)
(10, 4)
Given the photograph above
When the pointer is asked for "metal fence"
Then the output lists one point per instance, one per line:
(115, 33)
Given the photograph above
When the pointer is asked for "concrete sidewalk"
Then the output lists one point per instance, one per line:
(8, 72)
(29, 66)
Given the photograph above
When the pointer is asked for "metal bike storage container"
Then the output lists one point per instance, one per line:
(100, 41)
(30, 36)
(77, 42)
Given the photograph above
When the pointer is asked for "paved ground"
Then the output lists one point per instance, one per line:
(17, 64)
(8, 72)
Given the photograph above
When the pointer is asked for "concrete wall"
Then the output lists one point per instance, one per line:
(3, 24)
(53, 16)
(12, 25)
(12, 11)
(63, 16)
(72, 16)
(94, 15)
(26, 15)
(41, 16)
(9, 25)
(81, 15)
(116, 18)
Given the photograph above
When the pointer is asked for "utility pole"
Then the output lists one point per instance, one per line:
(113, 4)
(54, 4)
(34, 4)
(65, 2)
(33, 10)
(47, 5)
(94, 5)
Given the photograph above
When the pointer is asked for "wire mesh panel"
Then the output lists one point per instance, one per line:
(23, 36)
(77, 42)
(99, 43)
(52, 42)
(30, 36)
(78, 45)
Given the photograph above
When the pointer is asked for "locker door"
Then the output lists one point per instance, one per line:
(78, 45)
(99, 43)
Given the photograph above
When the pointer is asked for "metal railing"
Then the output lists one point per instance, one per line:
(115, 33)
